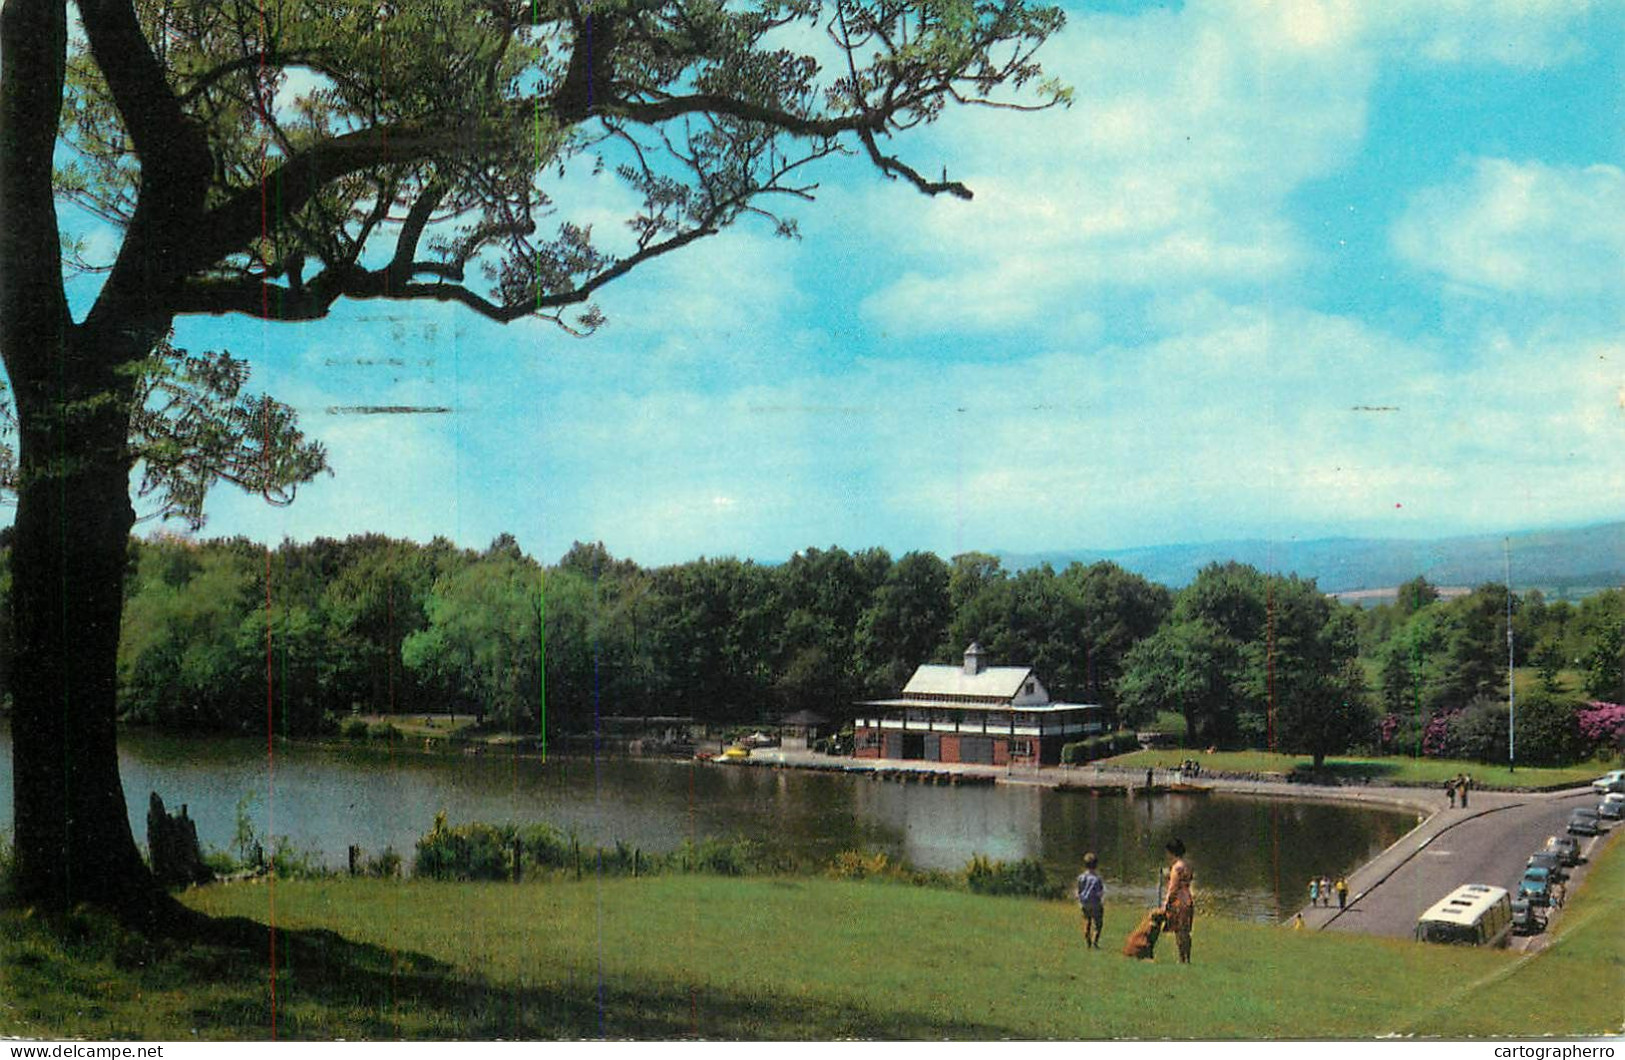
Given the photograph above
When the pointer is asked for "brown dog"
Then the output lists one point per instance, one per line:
(1142, 941)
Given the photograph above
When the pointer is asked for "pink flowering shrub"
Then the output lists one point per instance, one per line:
(1602, 725)
(1436, 733)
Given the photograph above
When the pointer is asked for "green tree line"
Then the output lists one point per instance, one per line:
(227, 636)
(222, 635)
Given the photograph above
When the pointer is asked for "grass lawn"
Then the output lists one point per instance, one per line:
(1391, 770)
(1171, 722)
(1526, 679)
(423, 726)
(773, 958)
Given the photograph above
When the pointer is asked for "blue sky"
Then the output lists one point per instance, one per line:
(1284, 270)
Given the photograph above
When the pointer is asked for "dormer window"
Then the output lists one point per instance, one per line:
(1029, 688)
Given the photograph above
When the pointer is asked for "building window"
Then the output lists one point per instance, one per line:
(868, 738)
(1021, 748)
(1030, 687)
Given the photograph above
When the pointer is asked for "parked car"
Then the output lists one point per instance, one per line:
(1551, 863)
(1584, 822)
(1612, 806)
(1536, 886)
(1565, 847)
(1614, 781)
(1526, 918)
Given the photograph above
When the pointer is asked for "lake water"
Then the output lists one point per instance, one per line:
(1252, 856)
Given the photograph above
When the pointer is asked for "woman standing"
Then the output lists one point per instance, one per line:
(1179, 906)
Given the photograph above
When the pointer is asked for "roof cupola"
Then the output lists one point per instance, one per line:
(975, 659)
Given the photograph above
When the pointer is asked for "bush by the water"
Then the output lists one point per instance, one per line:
(480, 851)
(861, 865)
(1025, 877)
(1087, 750)
(473, 851)
(384, 866)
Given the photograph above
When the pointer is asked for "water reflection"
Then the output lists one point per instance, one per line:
(1252, 856)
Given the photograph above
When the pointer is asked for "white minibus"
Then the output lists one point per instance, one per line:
(1475, 914)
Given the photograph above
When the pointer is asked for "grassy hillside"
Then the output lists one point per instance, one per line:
(771, 958)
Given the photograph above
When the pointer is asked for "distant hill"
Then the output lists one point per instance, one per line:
(1560, 563)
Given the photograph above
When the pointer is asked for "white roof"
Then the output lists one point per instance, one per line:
(1462, 905)
(944, 704)
(1003, 682)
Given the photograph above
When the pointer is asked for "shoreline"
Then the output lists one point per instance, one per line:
(1101, 781)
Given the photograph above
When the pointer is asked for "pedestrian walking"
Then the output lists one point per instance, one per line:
(1450, 790)
(1466, 783)
(1342, 888)
(1314, 891)
(1091, 901)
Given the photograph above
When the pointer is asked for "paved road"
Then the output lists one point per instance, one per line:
(1486, 843)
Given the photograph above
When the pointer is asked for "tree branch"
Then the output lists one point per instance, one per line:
(256, 298)
(705, 103)
(165, 141)
(250, 62)
(895, 167)
(417, 219)
(237, 222)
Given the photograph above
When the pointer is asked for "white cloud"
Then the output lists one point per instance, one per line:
(736, 285)
(1174, 167)
(1515, 33)
(1525, 228)
(1251, 419)
(1246, 419)
(1171, 168)
(1273, 417)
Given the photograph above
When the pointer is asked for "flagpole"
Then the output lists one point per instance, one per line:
(1512, 689)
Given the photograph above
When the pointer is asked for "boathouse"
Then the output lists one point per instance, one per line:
(995, 715)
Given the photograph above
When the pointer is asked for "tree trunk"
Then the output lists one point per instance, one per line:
(73, 386)
(73, 838)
